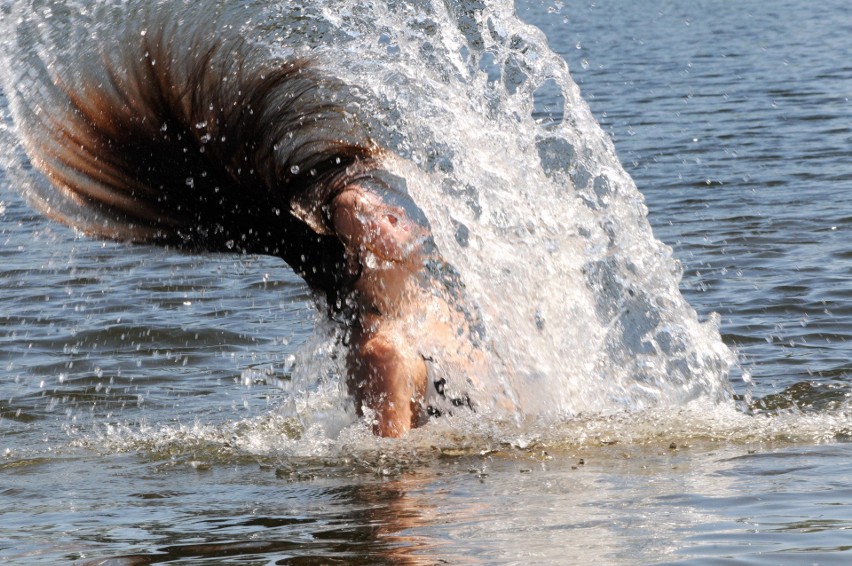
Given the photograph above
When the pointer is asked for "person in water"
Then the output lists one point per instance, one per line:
(189, 136)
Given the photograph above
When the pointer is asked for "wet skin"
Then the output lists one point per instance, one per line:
(401, 320)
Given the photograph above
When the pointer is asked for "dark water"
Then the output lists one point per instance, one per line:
(140, 391)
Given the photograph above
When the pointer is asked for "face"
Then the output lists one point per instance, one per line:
(410, 332)
(383, 247)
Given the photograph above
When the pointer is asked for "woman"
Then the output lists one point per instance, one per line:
(156, 127)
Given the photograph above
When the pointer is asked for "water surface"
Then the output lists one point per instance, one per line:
(148, 411)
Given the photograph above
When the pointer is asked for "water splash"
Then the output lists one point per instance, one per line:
(285, 442)
(580, 301)
(525, 194)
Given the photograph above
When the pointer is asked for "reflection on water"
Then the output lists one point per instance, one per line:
(619, 503)
(364, 523)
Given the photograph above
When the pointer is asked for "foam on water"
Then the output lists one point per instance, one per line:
(584, 322)
(275, 439)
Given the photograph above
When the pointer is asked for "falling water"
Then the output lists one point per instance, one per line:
(527, 199)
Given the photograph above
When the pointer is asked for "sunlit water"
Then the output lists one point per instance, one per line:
(182, 407)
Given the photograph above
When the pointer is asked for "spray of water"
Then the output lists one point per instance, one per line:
(579, 302)
(528, 199)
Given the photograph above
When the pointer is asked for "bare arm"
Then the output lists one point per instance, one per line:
(385, 248)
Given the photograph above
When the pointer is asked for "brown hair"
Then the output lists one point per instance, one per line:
(184, 134)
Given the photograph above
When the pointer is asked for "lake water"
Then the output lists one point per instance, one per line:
(149, 411)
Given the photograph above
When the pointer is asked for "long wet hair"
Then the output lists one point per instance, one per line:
(183, 133)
